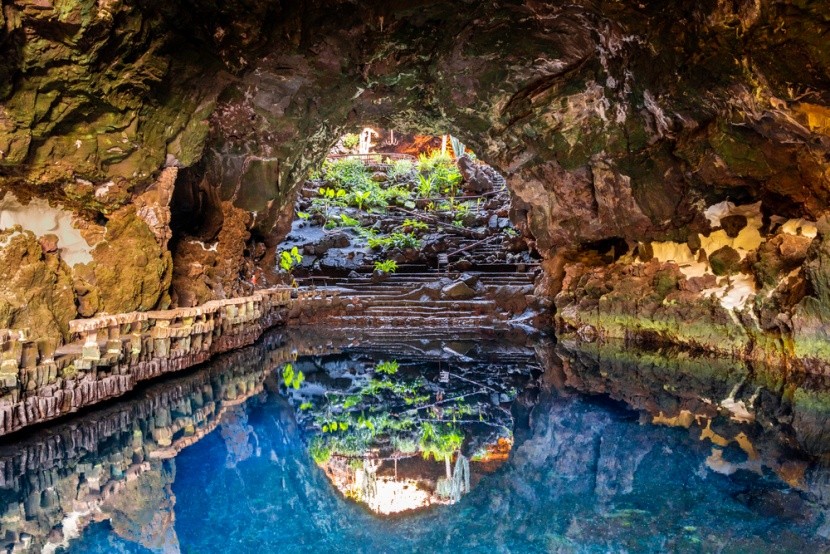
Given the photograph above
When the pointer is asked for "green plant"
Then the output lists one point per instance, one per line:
(292, 378)
(289, 259)
(348, 173)
(439, 442)
(358, 198)
(426, 186)
(331, 193)
(387, 368)
(303, 215)
(305, 406)
(351, 140)
(400, 170)
(386, 266)
(395, 240)
(414, 225)
(347, 221)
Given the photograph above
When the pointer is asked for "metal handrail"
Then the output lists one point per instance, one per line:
(378, 156)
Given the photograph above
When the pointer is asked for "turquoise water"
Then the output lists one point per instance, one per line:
(586, 474)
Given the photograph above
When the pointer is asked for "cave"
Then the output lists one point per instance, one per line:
(510, 269)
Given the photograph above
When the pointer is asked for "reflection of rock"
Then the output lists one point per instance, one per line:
(237, 435)
(109, 464)
(143, 511)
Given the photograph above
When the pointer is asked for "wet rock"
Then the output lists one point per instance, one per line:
(458, 290)
(724, 261)
(341, 261)
(336, 239)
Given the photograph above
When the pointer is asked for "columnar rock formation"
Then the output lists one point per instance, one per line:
(119, 461)
(112, 354)
(620, 126)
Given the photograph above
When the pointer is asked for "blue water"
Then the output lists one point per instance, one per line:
(584, 476)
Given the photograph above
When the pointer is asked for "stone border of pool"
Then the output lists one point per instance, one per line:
(110, 355)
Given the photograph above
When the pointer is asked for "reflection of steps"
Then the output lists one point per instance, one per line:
(410, 298)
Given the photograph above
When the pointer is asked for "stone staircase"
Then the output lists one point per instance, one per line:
(413, 297)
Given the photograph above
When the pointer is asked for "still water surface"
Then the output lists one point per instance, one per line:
(604, 451)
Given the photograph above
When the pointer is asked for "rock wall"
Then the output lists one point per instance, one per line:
(113, 354)
(617, 123)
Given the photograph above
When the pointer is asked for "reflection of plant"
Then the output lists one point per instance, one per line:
(386, 266)
(439, 441)
(292, 378)
(289, 259)
(320, 450)
(387, 368)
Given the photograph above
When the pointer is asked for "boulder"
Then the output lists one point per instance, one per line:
(459, 290)
(724, 261)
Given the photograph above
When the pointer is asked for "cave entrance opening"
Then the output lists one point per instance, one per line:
(413, 230)
(385, 202)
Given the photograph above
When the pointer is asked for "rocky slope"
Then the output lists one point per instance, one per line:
(618, 124)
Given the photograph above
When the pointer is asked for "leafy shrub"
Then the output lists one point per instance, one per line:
(347, 221)
(387, 368)
(289, 259)
(386, 266)
(400, 170)
(439, 442)
(348, 173)
(395, 240)
(351, 140)
(414, 225)
(291, 378)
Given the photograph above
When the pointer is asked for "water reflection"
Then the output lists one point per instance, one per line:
(620, 450)
(405, 430)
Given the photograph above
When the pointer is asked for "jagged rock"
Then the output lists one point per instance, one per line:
(478, 178)
(458, 290)
(724, 261)
(733, 224)
(337, 239)
(35, 286)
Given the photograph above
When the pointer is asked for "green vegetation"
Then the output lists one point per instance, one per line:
(442, 170)
(387, 368)
(290, 378)
(400, 170)
(289, 259)
(351, 141)
(439, 442)
(347, 221)
(386, 266)
(414, 225)
(395, 240)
